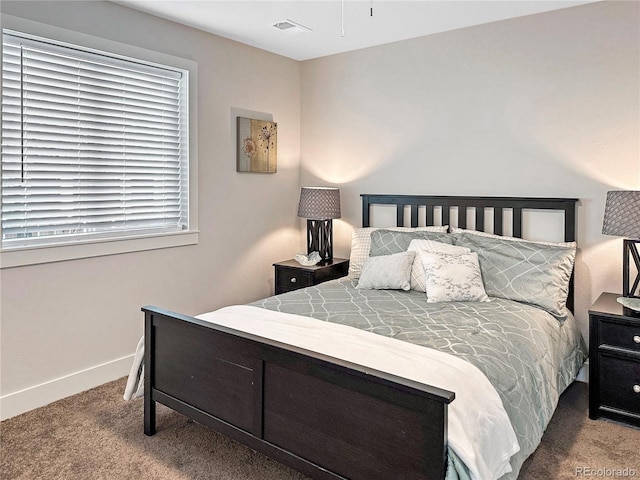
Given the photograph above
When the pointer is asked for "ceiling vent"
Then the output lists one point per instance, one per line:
(290, 27)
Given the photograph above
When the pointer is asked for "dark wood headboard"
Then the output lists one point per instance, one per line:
(481, 205)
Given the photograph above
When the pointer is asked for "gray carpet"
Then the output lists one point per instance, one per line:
(97, 435)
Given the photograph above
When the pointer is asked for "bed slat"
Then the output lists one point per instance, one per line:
(445, 215)
(479, 219)
(497, 221)
(462, 217)
(517, 222)
(399, 215)
(414, 216)
(430, 220)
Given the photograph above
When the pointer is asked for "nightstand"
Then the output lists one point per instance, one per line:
(290, 275)
(614, 361)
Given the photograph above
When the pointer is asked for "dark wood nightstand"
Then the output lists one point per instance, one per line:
(614, 361)
(290, 275)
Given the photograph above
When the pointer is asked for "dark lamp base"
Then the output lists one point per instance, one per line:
(320, 238)
(630, 249)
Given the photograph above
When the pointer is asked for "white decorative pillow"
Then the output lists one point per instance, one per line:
(453, 278)
(361, 243)
(387, 272)
(418, 280)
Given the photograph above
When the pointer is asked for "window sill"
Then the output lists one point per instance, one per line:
(10, 258)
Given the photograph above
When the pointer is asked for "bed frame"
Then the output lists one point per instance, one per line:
(326, 418)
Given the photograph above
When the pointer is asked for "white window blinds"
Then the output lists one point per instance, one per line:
(93, 145)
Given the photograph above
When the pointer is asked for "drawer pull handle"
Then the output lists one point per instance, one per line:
(293, 280)
(636, 388)
(636, 338)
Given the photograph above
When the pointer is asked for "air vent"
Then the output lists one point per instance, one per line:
(290, 27)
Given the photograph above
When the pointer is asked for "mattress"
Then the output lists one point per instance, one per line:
(528, 355)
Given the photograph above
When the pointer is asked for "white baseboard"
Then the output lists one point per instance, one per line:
(22, 401)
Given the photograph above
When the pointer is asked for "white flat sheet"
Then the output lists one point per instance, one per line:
(479, 430)
(135, 382)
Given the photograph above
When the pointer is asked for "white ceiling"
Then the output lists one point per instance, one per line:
(251, 22)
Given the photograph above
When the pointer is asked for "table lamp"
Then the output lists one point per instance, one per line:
(622, 218)
(320, 205)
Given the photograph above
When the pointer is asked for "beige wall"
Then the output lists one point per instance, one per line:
(544, 105)
(59, 319)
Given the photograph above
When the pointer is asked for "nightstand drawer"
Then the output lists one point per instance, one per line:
(293, 279)
(290, 275)
(619, 335)
(619, 380)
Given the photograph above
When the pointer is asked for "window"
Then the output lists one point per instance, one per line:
(95, 146)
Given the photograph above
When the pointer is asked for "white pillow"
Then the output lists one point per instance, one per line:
(453, 278)
(361, 243)
(387, 272)
(418, 281)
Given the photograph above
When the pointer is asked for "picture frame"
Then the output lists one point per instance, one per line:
(257, 146)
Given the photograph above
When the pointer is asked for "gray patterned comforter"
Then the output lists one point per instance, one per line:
(528, 355)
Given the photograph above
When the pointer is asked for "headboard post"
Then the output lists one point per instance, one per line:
(570, 222)
(366, 210)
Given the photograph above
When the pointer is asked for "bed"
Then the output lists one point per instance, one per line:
(335, 417)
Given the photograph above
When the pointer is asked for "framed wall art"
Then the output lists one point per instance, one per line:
(257, 149)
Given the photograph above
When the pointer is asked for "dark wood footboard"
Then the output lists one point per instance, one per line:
(326, 418)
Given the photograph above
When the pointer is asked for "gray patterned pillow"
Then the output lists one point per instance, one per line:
(387, 242)
(532, 272)
(388, 272)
